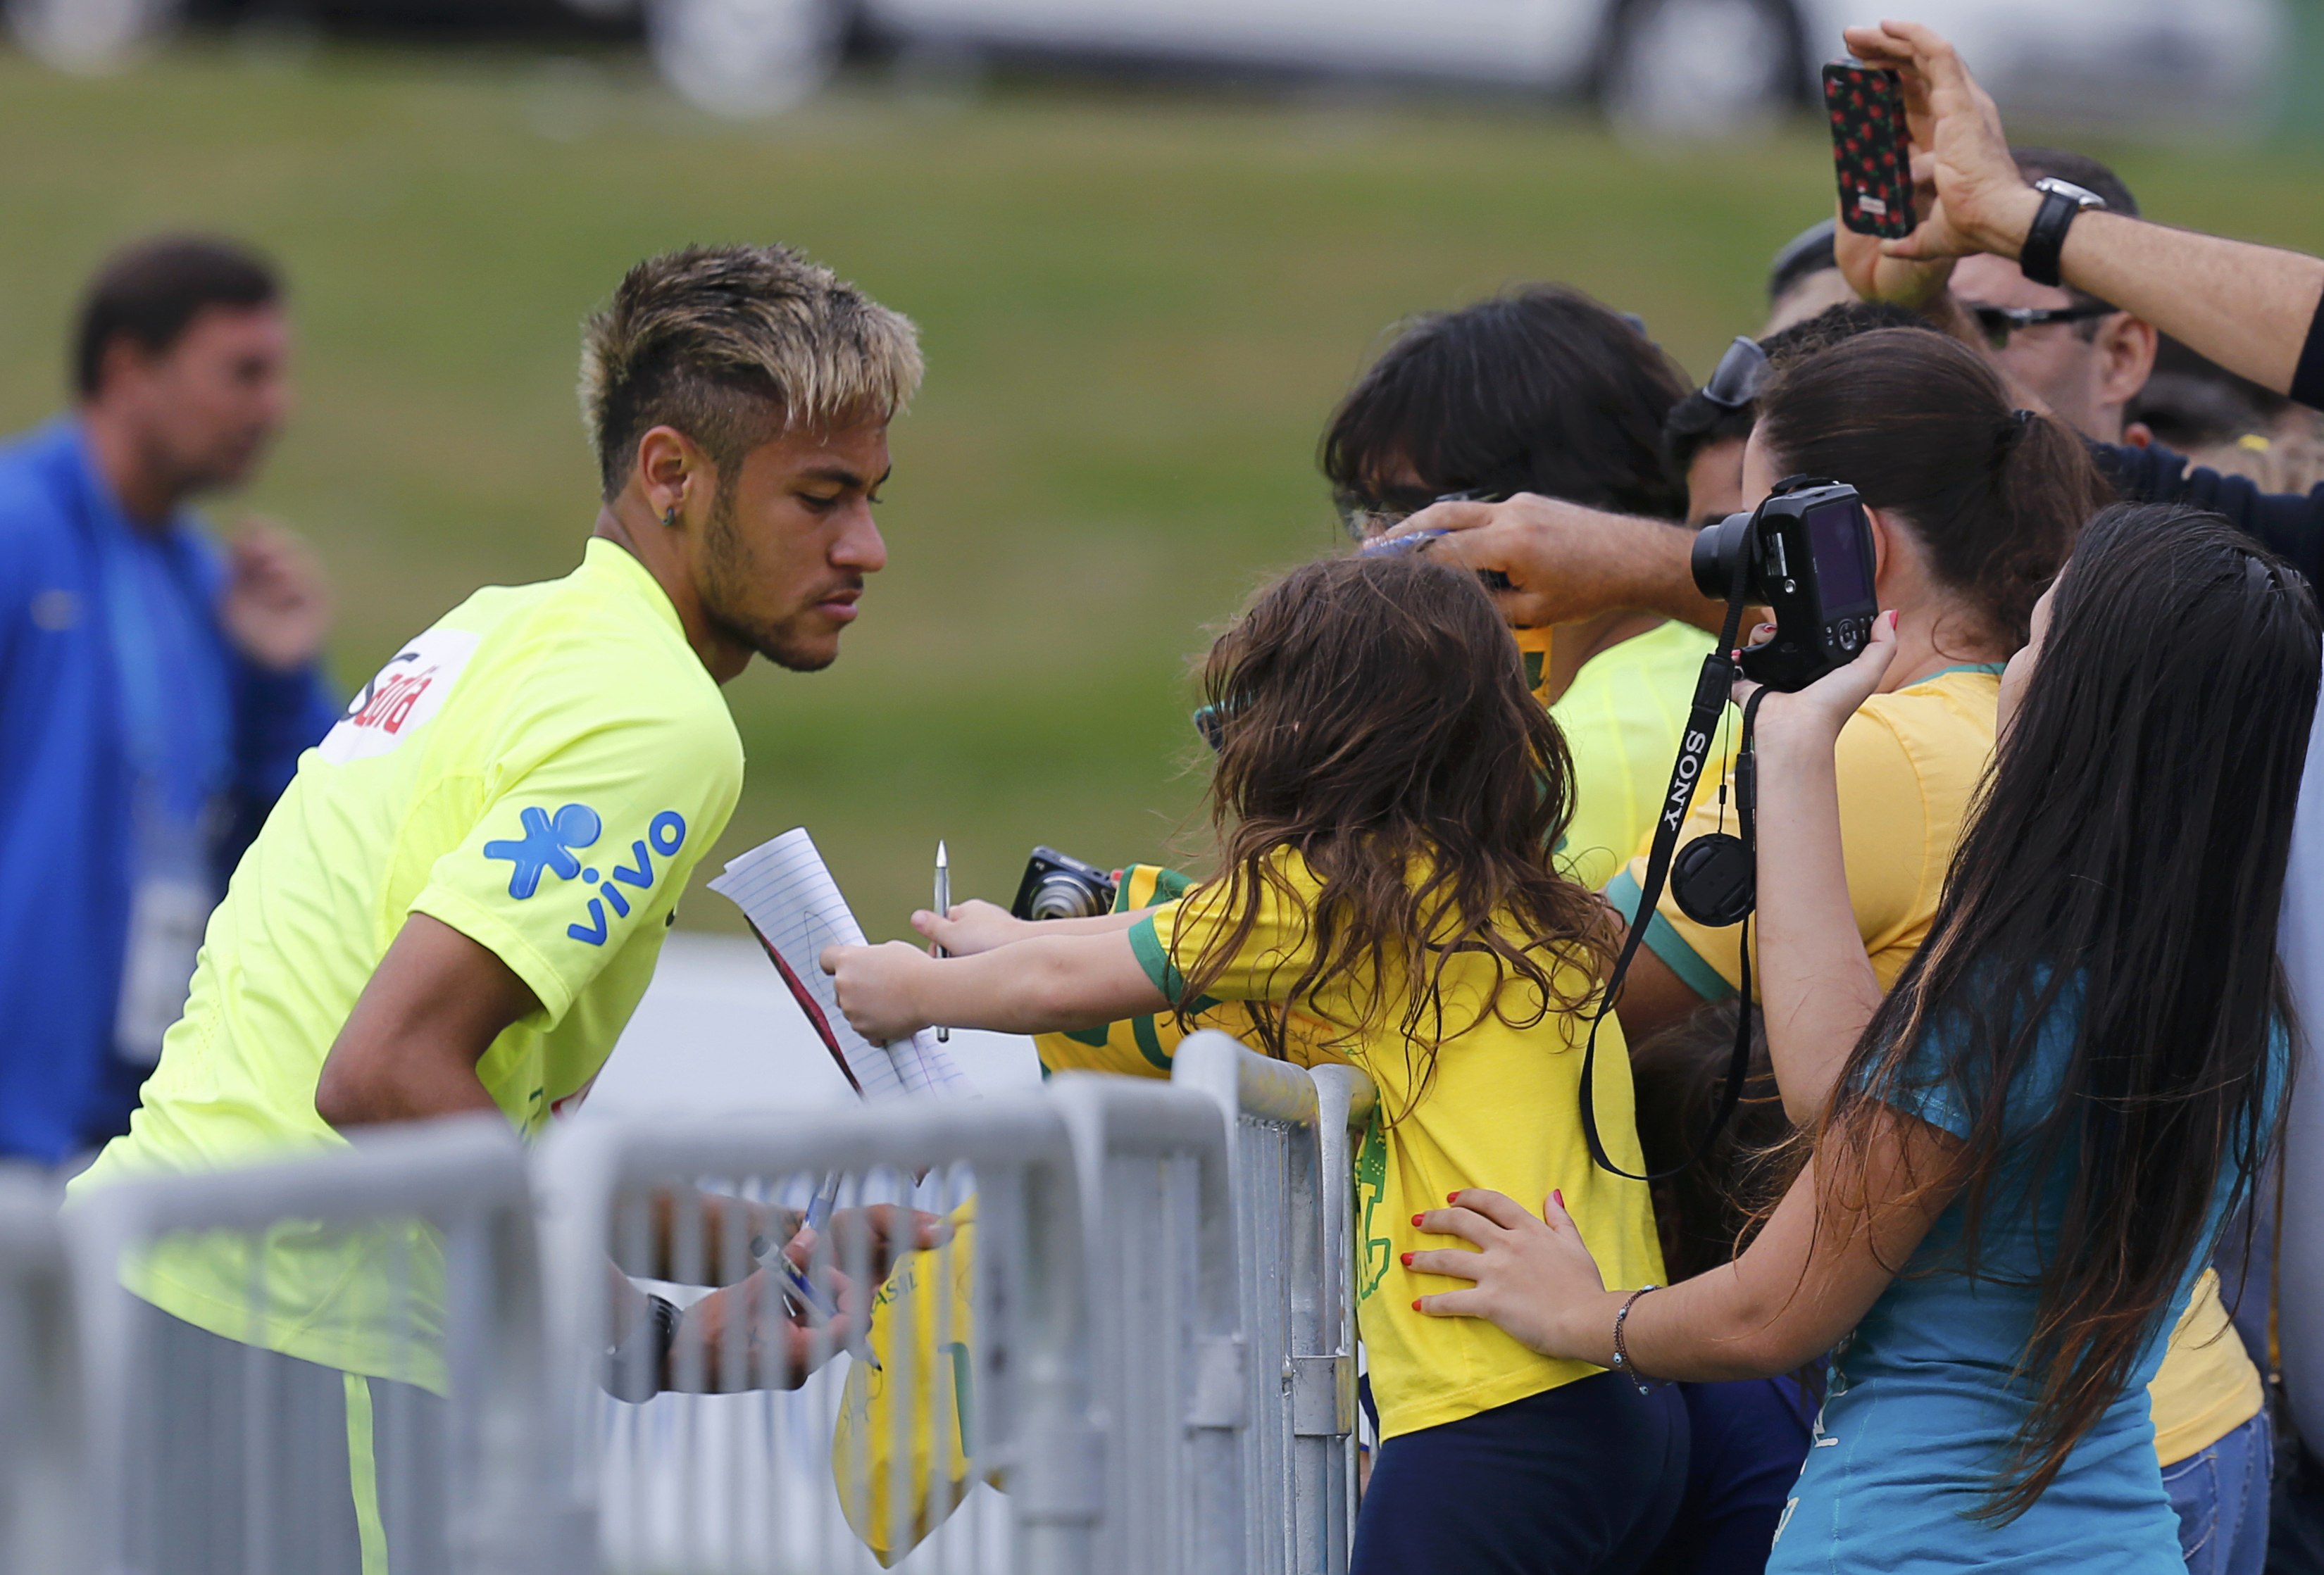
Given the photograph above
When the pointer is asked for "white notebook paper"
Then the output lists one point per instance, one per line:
(784, 889)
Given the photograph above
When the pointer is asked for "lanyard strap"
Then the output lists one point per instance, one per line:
(1711, 689)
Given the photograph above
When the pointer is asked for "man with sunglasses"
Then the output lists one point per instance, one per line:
(2085, 359)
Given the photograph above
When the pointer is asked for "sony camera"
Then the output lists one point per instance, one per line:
(1057, 887)
(1806, 553)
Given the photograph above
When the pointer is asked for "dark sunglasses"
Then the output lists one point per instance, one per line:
(1999, 322)
(1740, 376)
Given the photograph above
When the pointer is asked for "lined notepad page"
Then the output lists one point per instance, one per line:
(785, 891)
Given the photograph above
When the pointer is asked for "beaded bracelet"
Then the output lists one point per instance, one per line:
(1622, 1362)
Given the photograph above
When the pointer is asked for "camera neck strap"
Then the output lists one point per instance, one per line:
(1712, 690)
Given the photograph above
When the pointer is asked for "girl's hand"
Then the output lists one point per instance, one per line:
(1533, 1279)
(970, 927)
(876, 988)
(1823, 707)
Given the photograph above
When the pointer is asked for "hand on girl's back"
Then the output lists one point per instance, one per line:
(970, 927)
(1531, 1274)
(874, 988)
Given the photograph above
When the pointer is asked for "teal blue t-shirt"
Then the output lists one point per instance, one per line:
(1922, 1408)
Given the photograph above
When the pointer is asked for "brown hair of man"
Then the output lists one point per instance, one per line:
(732, 346)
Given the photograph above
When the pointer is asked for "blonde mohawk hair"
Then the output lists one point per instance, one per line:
(733, 344)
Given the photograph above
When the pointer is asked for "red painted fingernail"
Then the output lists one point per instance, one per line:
(1415, 1304)
(1559, 1194)
(1451, 1197)
(1416, 1218)
(1408, 1260)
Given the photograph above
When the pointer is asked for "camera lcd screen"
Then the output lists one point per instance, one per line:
(1843, 559)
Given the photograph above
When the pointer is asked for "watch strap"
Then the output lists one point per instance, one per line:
(2045, 238)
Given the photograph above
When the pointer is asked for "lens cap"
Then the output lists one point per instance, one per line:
(1712, 880)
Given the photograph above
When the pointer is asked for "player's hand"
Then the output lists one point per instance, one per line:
(876, 1235)
(1563, 562)
(1815, 714)
(972, 926)
(1531, 1277)
(1974, 201)
(748, 1336)
(875, 985)
(1875, 275)
(277, 604)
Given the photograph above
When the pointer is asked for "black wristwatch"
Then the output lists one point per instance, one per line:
(2045, 239)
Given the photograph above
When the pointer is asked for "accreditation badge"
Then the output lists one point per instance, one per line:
(167, 915)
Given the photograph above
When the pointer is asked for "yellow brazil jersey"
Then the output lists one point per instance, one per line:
(540, 770)
(1908, 763)
(1500, 1110)
(1621, 717)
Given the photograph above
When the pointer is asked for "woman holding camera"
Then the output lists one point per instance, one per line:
(1973, 507)
(2023, 1152)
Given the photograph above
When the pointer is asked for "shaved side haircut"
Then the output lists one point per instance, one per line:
(732, 345)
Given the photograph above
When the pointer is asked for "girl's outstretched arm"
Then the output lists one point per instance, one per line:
(1832, 1247)
(1816, 986)
(1041, 984)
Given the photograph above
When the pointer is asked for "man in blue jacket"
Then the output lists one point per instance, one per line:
(155, 689)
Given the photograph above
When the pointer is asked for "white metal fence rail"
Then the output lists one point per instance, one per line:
(1131, 1351)
(43, 1517)
(355, 1375)
(1290, 1180)
(981, 1344)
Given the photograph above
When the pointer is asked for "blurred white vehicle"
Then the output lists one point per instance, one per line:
(1661, 67)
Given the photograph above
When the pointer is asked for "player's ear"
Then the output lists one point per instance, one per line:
(671, 472)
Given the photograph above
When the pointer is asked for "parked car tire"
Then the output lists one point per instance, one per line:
(1701, 68)
(87, 36)
(746, 57)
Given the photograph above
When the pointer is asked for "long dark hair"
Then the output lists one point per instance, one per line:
(1708, 1212)
(1539, 390)
(1375, 721)
(1922, 427)
(2126, 861)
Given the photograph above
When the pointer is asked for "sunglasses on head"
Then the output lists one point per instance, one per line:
(1999, 322)
(1740, 376)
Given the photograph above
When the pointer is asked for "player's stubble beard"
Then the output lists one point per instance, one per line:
(725, 577)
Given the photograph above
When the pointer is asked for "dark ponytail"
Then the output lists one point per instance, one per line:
(1925, 430)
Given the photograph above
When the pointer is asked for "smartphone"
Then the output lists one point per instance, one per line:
(1870, 148)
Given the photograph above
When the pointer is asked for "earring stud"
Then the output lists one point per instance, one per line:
(669, 516)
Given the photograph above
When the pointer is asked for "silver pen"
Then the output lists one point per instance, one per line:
(943, 907)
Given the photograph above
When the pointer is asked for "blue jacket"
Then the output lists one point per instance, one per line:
(66, 786)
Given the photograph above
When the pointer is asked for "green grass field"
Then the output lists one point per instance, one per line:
(1137, 310)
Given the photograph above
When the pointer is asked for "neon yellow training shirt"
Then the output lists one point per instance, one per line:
(540, 770)
(1621, 717)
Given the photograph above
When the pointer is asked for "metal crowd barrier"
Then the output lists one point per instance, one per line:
(1291, 1181)
(971, 1372)
(350, 1374)
(42, 1516)
(1158, 1227)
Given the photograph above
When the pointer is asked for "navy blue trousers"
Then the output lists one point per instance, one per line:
(1578, 1480)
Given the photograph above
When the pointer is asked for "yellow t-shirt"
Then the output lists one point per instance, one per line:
(1501, 1111)
(2208, 1385)
(1621, 717)
(540, 770)
(1908, 763)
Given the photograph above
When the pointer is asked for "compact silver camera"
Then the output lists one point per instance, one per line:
(1059, 886)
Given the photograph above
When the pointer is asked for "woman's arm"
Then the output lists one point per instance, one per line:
(1042, 984)
(1816, 983)
(1832, 1247)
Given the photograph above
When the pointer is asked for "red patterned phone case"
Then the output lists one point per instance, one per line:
(1869, 150)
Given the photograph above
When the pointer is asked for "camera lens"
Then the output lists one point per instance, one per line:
(1717, 549)
(1061, 894)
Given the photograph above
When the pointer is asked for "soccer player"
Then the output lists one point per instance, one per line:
(461, 897)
